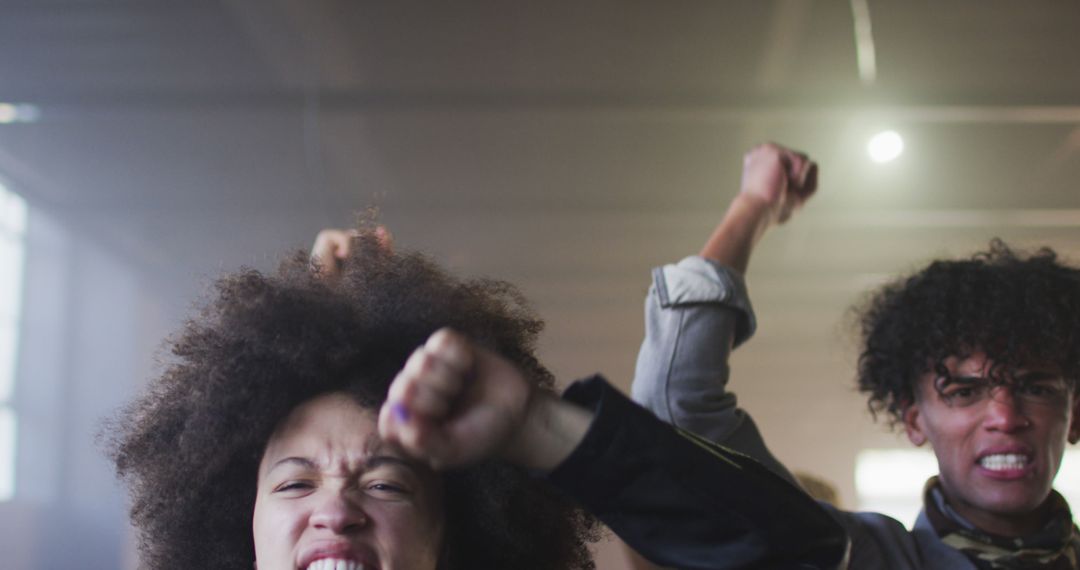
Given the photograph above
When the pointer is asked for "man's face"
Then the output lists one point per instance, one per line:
(998, 442)
(331, 495)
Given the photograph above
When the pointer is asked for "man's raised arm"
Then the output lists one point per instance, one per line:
(698, 310)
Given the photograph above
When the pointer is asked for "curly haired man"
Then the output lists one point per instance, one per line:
(979, 357)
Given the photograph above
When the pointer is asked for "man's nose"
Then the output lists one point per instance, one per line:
(1004, 411)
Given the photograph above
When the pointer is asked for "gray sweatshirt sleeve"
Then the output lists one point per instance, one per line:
(696, 312)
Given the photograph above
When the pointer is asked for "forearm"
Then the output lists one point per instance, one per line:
(551, 430)
(776, 181)
(684, 502)
(742, 226)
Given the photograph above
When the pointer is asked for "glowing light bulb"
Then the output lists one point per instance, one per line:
(885, 146)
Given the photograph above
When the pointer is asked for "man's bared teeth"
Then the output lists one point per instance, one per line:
(1003, 461)
(335, 564)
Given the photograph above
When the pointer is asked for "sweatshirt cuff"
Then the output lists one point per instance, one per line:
(696, 280)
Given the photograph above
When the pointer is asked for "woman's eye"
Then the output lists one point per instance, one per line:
(385, 488)
(293, 486)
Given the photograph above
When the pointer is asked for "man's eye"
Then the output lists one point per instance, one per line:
(1039, 391)
(963, 395)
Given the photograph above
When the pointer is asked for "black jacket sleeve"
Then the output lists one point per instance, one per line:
(684, 502)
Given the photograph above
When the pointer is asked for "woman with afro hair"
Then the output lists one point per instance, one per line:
(297, 426)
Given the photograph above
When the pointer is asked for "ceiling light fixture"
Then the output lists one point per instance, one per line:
(885, 146)
(864, 42)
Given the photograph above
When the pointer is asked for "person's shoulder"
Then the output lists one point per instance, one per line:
(877, 524)
(880, 541)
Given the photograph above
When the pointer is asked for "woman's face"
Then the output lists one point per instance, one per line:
(332, 496)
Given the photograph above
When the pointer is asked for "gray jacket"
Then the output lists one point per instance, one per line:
(694, 312)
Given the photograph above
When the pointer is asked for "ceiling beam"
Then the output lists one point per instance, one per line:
(696, 106)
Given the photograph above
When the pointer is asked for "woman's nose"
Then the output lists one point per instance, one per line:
(338, 514)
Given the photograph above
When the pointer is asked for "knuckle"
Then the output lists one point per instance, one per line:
(425, 363)
(420, 363)
(444, 340)
(398, 389)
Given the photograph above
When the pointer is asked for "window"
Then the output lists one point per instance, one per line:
(12, 239)
(890, 481)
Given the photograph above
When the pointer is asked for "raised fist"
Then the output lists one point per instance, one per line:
(782, 178)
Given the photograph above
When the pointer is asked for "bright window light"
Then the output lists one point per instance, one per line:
(18, 113)
(1068, 480)
(891, 481)
(11, 263)
(885, 146)
(7, 450)
(12, 214)
(7, 364)
(12, 232)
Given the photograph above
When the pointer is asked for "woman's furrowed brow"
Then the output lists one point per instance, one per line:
(371, 462)
(304, 462)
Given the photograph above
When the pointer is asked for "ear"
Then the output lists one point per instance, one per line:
(913, 424)
(1074, 427)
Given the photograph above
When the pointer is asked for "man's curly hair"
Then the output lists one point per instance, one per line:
(1017, 309)
(190, 447)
